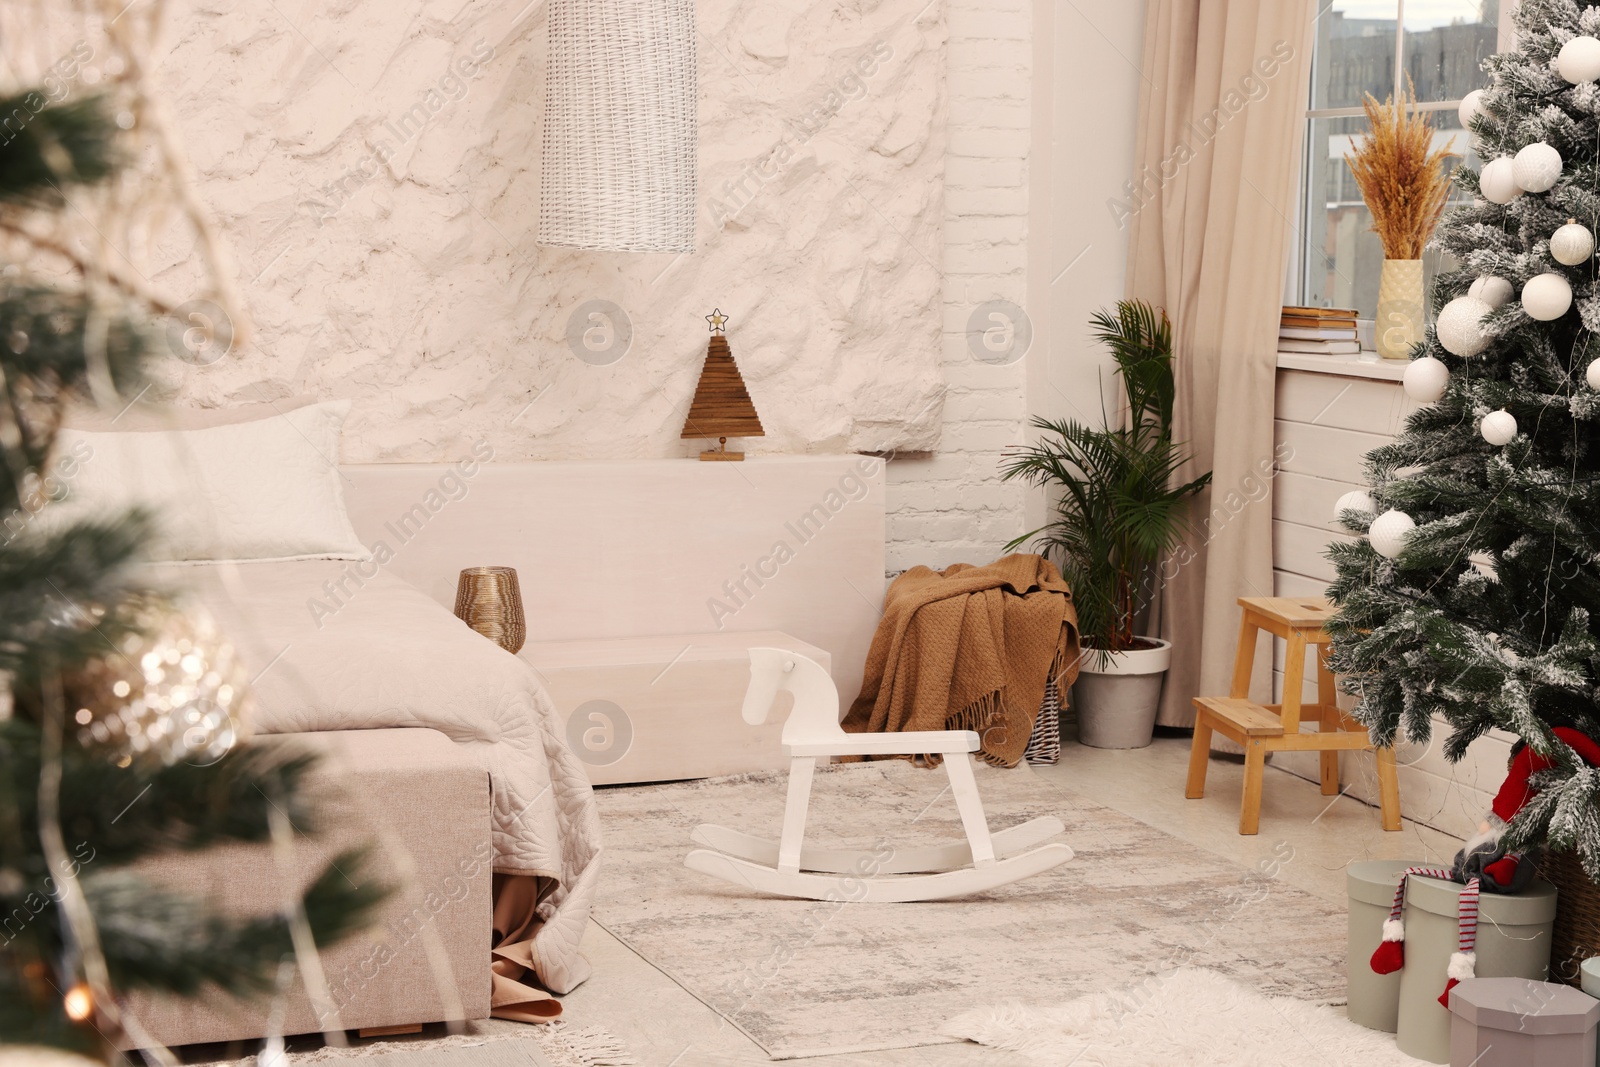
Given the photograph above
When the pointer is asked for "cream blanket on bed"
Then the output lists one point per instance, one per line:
(383, 654)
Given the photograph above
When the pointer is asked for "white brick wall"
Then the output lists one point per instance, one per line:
(1043, 102)
(950, 506)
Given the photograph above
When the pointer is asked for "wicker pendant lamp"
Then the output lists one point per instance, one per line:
(620, 133)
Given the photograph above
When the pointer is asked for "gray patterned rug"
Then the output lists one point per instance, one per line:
(482, 1043)
(805, 978)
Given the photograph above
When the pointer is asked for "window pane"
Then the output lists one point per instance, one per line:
(1446, 44)
(1354, 52)
(1344, 258)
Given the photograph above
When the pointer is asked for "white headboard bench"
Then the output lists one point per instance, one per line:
(650, 549)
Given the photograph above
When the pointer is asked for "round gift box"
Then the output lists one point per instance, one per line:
(1513, 942)
(1374, 998)
(1591, 976)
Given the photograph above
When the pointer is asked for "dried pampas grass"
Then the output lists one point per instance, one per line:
(1401, 174)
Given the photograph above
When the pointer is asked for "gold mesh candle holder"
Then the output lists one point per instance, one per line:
(489, 601)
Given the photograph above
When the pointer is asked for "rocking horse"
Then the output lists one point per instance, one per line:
(787, 868)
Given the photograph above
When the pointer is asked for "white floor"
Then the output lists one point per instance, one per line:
(665, 1026)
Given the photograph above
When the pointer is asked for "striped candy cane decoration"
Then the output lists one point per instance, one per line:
(1390, 954)
(1464, 961)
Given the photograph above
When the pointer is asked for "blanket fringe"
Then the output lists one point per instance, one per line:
(978, 716)
(983, 712)
(1064, 670)
(592, 1046)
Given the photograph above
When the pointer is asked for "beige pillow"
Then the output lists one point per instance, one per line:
(265, 488)
(144, 418)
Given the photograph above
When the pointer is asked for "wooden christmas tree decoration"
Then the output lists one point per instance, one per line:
(722, 406)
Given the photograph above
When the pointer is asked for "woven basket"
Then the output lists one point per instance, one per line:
(1577, 931)
(1044, 744)
(620, 131)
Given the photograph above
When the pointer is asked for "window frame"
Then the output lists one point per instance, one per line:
(1297, 284)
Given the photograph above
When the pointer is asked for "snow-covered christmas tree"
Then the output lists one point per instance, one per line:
(1476, 593)
(121, 708)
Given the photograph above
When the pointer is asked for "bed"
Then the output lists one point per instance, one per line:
(387, 656)
(253, 531)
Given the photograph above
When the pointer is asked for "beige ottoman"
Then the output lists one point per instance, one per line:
(423, 806)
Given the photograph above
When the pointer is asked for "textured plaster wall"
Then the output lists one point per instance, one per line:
(1044, 101)
(867, 169)
(374, 165)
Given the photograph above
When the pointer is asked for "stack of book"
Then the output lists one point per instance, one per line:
(1323, 331)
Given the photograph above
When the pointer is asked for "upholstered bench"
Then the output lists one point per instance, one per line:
(653, 709)
(423, 806)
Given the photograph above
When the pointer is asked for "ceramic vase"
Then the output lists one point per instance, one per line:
(1400, 323)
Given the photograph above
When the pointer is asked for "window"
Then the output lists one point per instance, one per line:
(1373, 46)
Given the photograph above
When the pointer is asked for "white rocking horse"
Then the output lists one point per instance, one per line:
(787, 869)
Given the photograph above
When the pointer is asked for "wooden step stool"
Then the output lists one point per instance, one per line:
(1276, 727)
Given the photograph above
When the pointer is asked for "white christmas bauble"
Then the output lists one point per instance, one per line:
(1579, 60)
(1546, 297)
(1389, 532)
(1496, 292)
(1498, 427)
(1460, 326)
(1572, 244)
(1355, 500)
(1471, 107)
(1498, 181)
(1592, 375)
(1536, 167)
(1425, 379)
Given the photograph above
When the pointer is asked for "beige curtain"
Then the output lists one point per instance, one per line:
(1221, 114)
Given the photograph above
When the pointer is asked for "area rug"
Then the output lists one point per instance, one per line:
(1180, 1019)
(485, 1043)
(804, 978)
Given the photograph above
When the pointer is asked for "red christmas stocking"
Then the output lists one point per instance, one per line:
(1390, 954)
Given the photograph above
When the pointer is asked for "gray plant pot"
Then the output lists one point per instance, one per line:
(1116, 696)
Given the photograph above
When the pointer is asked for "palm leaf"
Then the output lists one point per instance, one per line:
(1118, 510)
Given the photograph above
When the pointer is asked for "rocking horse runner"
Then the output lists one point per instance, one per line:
(787, 868)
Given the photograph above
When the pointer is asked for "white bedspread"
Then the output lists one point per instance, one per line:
(383, 654)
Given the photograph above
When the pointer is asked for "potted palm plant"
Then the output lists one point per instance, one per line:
(1118, 514)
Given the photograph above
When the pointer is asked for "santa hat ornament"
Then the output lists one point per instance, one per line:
(1515, 790)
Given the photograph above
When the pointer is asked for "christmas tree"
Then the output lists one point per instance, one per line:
(90, 780)
(1475, 595)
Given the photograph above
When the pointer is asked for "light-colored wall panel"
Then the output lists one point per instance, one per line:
(1308, 500)
(1077, 239)
(1326, 451)
(1287, 583)
(1346, 403)
(1431, 799)
(1449, 797)
(383, 212)
(1300, 549)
